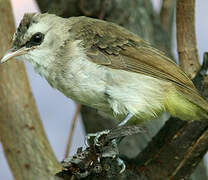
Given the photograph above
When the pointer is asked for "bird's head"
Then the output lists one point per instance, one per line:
(37, 38)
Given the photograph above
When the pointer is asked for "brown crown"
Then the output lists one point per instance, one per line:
(22, 29)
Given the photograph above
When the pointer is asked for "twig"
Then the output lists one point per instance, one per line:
(199, 80)
(186, 37)
(166, 14)
(78, 108)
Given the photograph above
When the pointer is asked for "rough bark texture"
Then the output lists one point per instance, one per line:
(186, 37)
(175, 151)
(24, 141)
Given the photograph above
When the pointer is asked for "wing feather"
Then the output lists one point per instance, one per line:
(113, 46)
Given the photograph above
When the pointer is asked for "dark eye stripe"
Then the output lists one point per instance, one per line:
(35, 40)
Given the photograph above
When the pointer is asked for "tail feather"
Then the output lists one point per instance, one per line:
(186, 104)
(194, 97)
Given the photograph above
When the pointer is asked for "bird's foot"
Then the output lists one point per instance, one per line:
(109, 151)
(101, 155)
(96, 137)
(121, 164)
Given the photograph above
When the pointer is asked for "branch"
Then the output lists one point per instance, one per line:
(166, 20)
(71, 132)
(175, 151)
(97, 160)
(186, 37)
(24, 142)
(166, 14)
(179, 146)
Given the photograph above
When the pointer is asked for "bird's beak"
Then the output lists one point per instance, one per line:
(13, 52)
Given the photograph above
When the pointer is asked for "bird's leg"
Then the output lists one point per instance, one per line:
(114, 141)
(126, 119)
(123, 122)
(118, 140)
(99, 134)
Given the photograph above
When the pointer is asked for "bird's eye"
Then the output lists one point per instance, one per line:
(35, 40)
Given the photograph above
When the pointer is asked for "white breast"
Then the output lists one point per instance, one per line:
(110, 89)
(107, 89)
(85, 82)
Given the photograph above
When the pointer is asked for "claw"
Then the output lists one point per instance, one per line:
(98, 135)
(96, 139)
(87, 138)
(122, 164)
(98, 143)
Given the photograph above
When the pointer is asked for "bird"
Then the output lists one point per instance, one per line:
(104, 66)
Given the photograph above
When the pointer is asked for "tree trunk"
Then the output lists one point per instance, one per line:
(24, 141)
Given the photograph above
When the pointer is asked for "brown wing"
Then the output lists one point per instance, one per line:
(112, 46)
